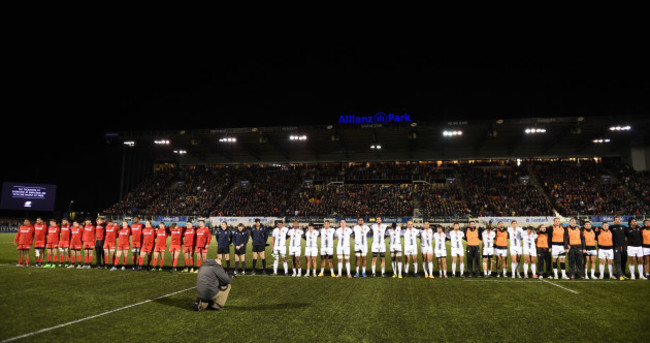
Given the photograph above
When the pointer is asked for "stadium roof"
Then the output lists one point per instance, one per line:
(403, 141)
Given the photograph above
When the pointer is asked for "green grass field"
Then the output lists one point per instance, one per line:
(284, 309)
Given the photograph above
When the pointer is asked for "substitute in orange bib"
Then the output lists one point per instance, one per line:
(558, 247)
(590, 250)
(576, 248)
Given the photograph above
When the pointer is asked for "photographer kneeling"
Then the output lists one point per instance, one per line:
(212, 286)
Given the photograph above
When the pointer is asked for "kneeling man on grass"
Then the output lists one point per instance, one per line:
(212, 285)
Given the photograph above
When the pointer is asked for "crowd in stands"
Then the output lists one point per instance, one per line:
(584, 188)
(393, 189)
(499, 191)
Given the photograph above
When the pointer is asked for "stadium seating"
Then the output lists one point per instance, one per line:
(437, 189)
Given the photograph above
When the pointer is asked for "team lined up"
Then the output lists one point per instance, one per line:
(538, 246)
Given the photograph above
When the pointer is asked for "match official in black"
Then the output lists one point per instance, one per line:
(620, 247)
(240, 240)
(212, 286)
(473, 237)
(260, 235)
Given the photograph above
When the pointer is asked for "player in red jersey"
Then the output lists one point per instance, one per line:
(189, 240)
(161, 246)
(40, 231)
(100, 233)
(64, 243)
(88, 239)
(123, 235)
(148, 239)
(23, 241)
(136, 239)
(203, 239)
(110, 236)
(53, 233)
(75, 244)
(176, 233)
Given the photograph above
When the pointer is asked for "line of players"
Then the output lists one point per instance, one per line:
(537, 246)
(65, 244)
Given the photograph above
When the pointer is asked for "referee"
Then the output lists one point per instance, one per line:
(473, 253)
(260, 235)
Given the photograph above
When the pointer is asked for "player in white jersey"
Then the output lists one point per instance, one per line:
(311, 248)
(457, 249)
(327, 236)
(410, 247)
(343, 234)
(426, 245)
(395, 246)
(378, 245)
(529, 242)
(440, 238)
(487, 236)
(515, 233)
(361, 245)
(279, 244)
(295, 248)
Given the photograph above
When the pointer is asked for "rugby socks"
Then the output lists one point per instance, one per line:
(228, 264)
(20, 260)
(322, 270)
(175, 262)
(264, 264)
(357, 269)
(631, 270)
(453, 268)
(383, 270)
(347, 267)
(555, 269)
(534, 267)
(162, 262)
(563, 265)
(236, 265)
(27, 260)
(430, 268)
(374, 269)
(639, 267)
(254, 263)
(406, 268)
(364, 269)
(243, 266)
(340, 268)
(415, 268)
(593, 272)
(399, 267)
(140, 261)
(198, 262)
(513, 266)
(155, 261)
(275, 266)
(286, 268)
(462, 268)
(526, 269)
(602, 269)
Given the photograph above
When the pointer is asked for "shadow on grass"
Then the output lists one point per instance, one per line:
(186, 304)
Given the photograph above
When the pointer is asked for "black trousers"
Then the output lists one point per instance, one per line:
(473, 260)
(99, 252)
(576, 268)
(620, 260)
(544, 258)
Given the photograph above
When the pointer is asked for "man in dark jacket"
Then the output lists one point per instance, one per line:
(260, 235)
(212, 286)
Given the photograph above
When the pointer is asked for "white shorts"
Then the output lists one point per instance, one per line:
(488, 251)
(312, 252)
(591, 252)
(379, 249)
(606, 254)
(363, 250)
(501, 252)
(410, 250)
(557, 250)
(441, 253)
(515, 250)
(394, 248)
(63, 249)
(343, 251)
(327, 251)
(282, 251)
(427, 250)
(457, 252)
(529, 252)
(646, 251)
(634, 252)
(295, 251)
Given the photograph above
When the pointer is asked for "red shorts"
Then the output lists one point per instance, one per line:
(64, 245)
(39, 245)
(89, 245)
(137, 244)
(147, 248)
(52, 246)
(201, 250)
(109, 245)
(75, 246)
(175, 248)
(189, 249)
(160, 249)
(123, 247)
(24, 246)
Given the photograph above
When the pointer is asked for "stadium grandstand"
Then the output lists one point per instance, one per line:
(443, 171)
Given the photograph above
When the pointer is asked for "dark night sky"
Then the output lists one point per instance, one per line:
(83, 94)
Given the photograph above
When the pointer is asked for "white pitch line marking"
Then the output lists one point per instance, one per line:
(564, 288)
(93, 317)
